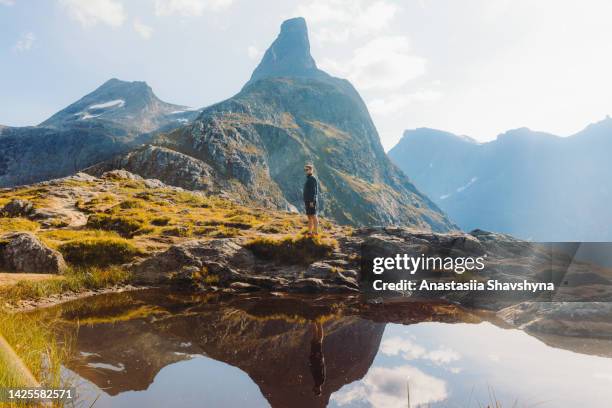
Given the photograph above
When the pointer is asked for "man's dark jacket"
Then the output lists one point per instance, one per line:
(311, 189)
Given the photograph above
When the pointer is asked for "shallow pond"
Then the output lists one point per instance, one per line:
(155, 348)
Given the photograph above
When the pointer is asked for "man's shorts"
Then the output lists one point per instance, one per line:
(310, 208)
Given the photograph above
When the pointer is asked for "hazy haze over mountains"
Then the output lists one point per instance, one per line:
(530, 184)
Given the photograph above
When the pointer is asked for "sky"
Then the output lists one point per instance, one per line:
(471, 67)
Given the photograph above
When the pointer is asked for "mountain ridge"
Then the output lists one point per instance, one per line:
(531, 184)
(113, 118)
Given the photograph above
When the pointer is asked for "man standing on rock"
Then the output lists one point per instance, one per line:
(311, 191)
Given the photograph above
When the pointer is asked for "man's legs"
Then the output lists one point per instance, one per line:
(310, 224)
(315, 224)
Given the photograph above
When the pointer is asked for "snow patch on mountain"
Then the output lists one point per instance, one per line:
(472, 181)
(460, 189)
(117, 103)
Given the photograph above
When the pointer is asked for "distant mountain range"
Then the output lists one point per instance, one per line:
(529, 184)
(112, 119)
(251, 146)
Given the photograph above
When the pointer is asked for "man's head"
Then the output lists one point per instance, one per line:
(308, 169)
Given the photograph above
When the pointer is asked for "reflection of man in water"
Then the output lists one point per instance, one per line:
(317, 360)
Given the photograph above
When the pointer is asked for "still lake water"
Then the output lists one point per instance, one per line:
(154, 348)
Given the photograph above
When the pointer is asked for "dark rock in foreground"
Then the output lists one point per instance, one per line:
(23, 252)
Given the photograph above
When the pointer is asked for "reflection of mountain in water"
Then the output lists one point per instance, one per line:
(133, 336)
(122, 341)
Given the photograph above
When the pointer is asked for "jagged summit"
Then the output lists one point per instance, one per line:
(289, 55)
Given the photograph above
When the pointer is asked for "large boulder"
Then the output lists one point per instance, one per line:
(23, 252)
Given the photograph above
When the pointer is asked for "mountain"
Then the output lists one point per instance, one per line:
(110, 120)
(529, 184)
(132, 105)
(254, 145)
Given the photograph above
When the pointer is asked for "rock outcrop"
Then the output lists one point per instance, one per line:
(506, 260)
(23, 252)
(17, 208)
(154, 162)
(225, 263)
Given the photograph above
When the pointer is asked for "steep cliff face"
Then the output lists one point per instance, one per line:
(110, 120)
(290, 113)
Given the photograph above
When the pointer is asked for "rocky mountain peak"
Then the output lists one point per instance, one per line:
(122, 88)
(289, 55)
(128, 104)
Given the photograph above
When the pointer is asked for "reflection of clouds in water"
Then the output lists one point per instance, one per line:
(409, 350)
(396, 345)
(442, 356)
(386, 387)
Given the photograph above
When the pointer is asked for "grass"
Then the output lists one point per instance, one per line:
(17, 224)
(99, 251)
(55, 237)
(292, 249)
(38, 346)
(178, 231)
(73, 280)
(125, 226)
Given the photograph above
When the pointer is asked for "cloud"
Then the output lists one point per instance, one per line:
(25, 42)
(383, 63)
(340, 20)
(254, 52)
(442, 356)
(142, 29)
(189, 8)
(409, 350)
(388, 387)
(394, 346)
(91, 12)
(7, 2)
(397, 102)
